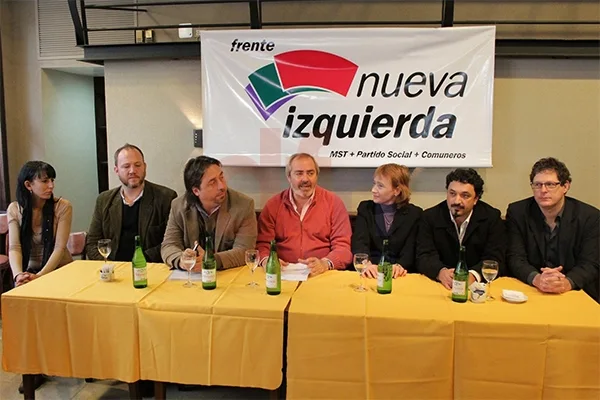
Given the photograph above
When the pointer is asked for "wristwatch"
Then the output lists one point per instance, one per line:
(330, 265)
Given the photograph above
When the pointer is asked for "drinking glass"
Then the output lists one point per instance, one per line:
(188, 260)
(489, 270)
(104, 248)
(252, 262)
(361, 260)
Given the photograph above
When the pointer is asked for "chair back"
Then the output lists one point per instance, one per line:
(3, 224)
(6, 278)
(76, 244)
(4, 233)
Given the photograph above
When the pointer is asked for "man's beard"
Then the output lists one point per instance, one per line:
(305, 186)
(305, 191)
(220, 198)
(456, 211)
(139, 183)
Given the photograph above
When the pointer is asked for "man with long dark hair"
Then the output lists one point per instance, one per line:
(461, 220)
(209, 206)
(136, 207)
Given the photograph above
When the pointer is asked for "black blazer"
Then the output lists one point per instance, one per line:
(438, 245)
(578, 242)
(367, 237)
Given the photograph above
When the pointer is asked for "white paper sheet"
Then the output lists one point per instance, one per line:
(178, 275)
(297, 272)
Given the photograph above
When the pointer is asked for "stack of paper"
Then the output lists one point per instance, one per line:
(178, 275)
(295, 272)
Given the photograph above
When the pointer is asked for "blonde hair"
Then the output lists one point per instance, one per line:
(288, 166)
(399, 175)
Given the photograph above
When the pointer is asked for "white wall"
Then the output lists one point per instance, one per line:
(541, 108)
(22, 85)
(70, 136)
(154, 105)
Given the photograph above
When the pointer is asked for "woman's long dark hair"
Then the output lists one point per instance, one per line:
(30, 171)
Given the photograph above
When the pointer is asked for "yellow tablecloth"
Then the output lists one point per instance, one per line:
(351, 345)
(546, 348)
(417, 344)
(231, 336)
(69, 323)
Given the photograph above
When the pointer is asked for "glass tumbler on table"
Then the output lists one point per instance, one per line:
(188, 260)
(489, 270)
(104, 248)
(361, 260)
(251, 257)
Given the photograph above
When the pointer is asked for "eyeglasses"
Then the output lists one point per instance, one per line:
(540, 185)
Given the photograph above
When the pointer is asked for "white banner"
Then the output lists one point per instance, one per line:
(350, 97)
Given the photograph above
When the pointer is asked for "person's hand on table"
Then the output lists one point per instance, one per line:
(316, 266)
(199, 253)
(553, 272)
(398, 271)
(552, 280)
(445, 277)
(471, 279)
(265, 260)
(24, 278)
(370, 271)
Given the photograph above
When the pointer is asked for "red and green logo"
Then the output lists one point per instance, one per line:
(295, 72)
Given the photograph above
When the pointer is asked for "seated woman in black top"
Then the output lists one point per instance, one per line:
(388, 216)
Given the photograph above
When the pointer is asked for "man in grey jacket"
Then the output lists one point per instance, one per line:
(209, 206)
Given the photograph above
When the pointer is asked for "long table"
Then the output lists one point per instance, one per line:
(417, 344)
(414, 343)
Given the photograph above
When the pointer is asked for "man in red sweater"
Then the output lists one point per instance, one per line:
(309, 223)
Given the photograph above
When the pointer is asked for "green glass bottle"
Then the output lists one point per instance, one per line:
(273, 271)
(209, 265)
(138, 264)
(460, 281)
(384, 271)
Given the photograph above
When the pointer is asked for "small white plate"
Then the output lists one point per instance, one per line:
(514, 296)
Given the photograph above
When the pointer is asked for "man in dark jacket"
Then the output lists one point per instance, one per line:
(553, 239)
(136, 207)
(463, 219)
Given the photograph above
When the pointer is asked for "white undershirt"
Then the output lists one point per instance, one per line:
(134, 200)
(302, 212)
(461, 235)
(463, 227)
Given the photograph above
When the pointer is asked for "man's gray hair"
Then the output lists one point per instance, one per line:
(288, 166)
